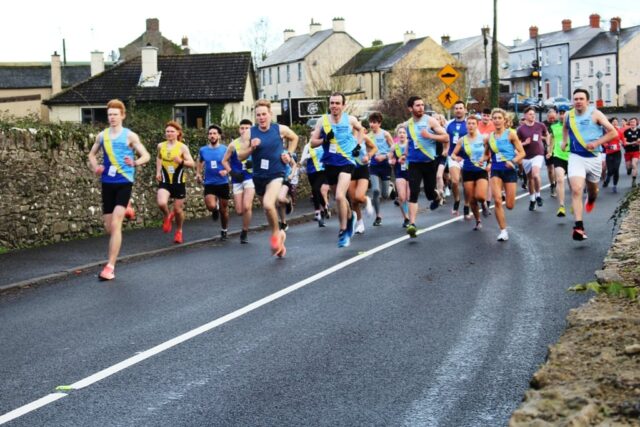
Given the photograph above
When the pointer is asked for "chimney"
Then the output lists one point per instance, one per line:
(338, 25)
(594, 20)
(314, 27)
(185, 45)
(485, 32)
(616, 25)
(149, 61)
(566, 25)
(56, 74)
(517, 42)
(288, 33)
(97, 63)
(533, 32)
(444, 40)
(408, 36)
(153, 24)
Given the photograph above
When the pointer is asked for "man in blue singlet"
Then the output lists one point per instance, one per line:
(269, 160)
(340, 135)
(216, 179)
(456, 129)
(583, 130)
(119, 145)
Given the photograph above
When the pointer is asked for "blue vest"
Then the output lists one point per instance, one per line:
(421, 150)
(212, 159)
(238, 165)
(471, 152)
(314, 162)
(267, 163)
(338, 151)
(502, 150)
(587, 130)
(116, 171)
(456, 130)
(383, 147)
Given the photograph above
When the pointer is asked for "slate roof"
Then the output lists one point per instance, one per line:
(576, 38)
(378, 58)
(16, 76)
(605, 43)
(455, 47)
(204, 77)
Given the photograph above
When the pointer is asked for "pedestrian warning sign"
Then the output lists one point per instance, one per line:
(448, 98)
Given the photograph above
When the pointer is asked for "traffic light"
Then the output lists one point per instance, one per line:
(535, 74)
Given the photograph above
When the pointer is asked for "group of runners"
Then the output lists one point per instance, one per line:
(425, 153)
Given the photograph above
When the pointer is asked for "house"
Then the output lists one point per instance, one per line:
(23, 86)
(552, 52)
(410, 67)
(153, 37)
(595, 66)
(475, 54)
(195, 90)
(302, 66)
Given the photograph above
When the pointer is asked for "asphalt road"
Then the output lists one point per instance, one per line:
(442, 330)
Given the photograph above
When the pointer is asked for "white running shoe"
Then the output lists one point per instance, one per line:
(359, 227)
(447, 192)
(503, 236)
(369, 208)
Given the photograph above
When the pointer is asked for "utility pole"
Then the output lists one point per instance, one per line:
(537, 74)
(495, 78)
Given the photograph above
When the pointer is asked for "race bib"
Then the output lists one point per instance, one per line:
(403, 167)
(171, 169)
(455, 138)
(112, 171)
(333, 148)
(264, 164)
(214, 164)
(536, 137)
(244, 166)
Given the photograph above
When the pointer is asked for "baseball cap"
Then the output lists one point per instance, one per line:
(563, 108)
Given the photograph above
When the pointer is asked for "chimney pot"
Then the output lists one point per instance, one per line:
(149, 61)
(615, 24)
(566, 25)
(56, 74)
(444, 40)
(314, 27)
(153, 24)
(288, 33)
(338, 25)
(594, 20)
(408, 36)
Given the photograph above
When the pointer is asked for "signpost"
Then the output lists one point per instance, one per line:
(448, 97)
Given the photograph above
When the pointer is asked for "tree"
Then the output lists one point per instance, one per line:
(260, 40)
(495, 78)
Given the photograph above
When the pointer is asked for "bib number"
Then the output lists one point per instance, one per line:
(112, 171)
(264, 164)
(214, 164)
(171, 169)
(333, 148)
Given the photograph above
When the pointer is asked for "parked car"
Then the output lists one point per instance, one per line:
(557, 102)
(523, 102)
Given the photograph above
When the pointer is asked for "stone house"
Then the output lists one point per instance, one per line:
(302, 66)
(195, 90)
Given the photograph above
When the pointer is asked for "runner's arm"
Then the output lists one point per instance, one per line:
(187, 160)
(139, 148)
(93, 160)
(227, 156)
(513, 137)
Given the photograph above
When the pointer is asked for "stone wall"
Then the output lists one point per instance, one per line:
(50, 194)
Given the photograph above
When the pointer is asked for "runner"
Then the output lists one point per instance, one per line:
(583, 130)
(340, 135)
(533, 134)
(269, 163)
(632, 149)
(457, 128)
(559, 158)
(216, 179)
(311, 160)
(173, 157)
(485, 125)
(470, 150)
(552, 118)
(506, 153)
(119, 146)
(287, 193)
(401, 172)
(241, 173)
(360, 183)
(423, 133)
(614, 157)
(443, 182)
(380, 169)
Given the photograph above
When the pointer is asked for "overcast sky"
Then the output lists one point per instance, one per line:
(33, 30)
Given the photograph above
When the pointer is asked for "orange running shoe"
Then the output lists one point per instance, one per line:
(129, 213)
(589, 205)
(283, 250)
(107, 273)
(166, 224)
(177, 238)
(275, 243)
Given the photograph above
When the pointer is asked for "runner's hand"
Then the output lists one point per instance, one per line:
(99, 170)
(328, 137)
(128, 161)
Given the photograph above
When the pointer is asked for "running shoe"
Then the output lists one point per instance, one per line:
(177, 238)
(532, 205)
(539, 201)
(467, 213)
(351, 224)
(435, 204)
(359, 229)
(167, 223)
(561, 212)
(289, 207)
(485, 209)
(579, 234)
(553, 191)
(614, 189)
(129, 213)
(588, 207)
(327, 213)
(107, 273)
(223, 235)
(343, 239)
(412, 231)
(215, 214)
(244, 236)
(321, 223)
(396, 202)
(478, 225)
(447, 192)
(503, 236)
(605, 184)
(377, 222)
(275, 243)
(369, 208)
(282, 251)
(405, 223)
(456, 206)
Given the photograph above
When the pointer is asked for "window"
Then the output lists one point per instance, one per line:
(591, 92)
(270, 76)
(278, 75)
(577, 76)
(607, 92)
(299, 71)
(590, 68)
(559, 55)
(191, 116)
(545, 57)
(559, 87)
(94, 116)
(521, 65)
(288, 73)
(607, 66)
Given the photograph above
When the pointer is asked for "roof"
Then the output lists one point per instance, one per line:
(576, 38)
(400, 53)
(605, 43)
(18, 76)
(368, 59)
(204, 77)
(457, 46)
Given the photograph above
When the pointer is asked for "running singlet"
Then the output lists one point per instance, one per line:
(337, 152)
(172, 172)
(238, 165)
(615, 145)
(582, 130)
(456, 130)
(632, 135)
(400, 169)
(360, 163)
(383, 147)
(267, 162)
(502, 150)
(314, 163)
(472, 151)
(421, 150)
(556, 134)
(212, 159)
(116, 171)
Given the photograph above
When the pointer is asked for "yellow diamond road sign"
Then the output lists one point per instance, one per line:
(448, 75)
(448, 98)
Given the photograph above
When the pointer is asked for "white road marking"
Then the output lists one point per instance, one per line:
(139, 357)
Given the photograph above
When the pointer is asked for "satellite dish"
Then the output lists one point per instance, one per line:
(504, 65)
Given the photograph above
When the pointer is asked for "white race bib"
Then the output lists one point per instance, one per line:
(536, 137)
(403, 167)
(455, 138)
(333, 148)
(264, 164)
(171, 169)
(214, 164)
(112, 171)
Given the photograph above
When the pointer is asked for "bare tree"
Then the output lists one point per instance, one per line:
(260, 39)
